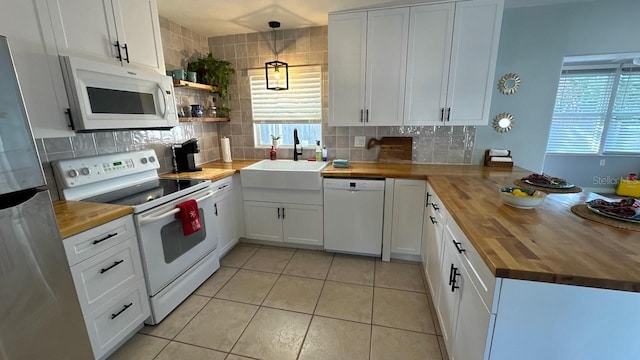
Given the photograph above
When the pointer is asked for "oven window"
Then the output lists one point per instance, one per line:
(174, 243)
(109, 101)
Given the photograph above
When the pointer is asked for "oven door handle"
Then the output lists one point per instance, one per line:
(154, 218)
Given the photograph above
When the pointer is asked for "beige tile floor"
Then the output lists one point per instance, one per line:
(278, 303)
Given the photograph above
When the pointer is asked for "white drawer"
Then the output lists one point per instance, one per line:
(88, 243)
(116, 319)
(106, 274)
(481, 276)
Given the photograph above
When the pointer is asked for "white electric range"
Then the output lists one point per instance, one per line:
(174, 264)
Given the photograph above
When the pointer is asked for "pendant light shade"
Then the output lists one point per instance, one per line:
(276, 72)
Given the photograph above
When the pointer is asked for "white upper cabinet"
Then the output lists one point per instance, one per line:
(425, 65)
(386, 66)
(138, 27)
(474, 53)
(116, 31)
(428, 59)
(453, 49)
(367, 66)
(27, 27)
(347, 65)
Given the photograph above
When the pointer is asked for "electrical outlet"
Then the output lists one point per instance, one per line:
(602, 162)
(359, 141)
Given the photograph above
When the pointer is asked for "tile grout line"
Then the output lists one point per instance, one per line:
(373, 299)
(313, 314)
(199, 311)
(261, 302)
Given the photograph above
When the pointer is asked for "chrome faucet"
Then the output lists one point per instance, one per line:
(296, 142)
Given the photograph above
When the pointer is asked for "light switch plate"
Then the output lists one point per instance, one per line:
(359, 141)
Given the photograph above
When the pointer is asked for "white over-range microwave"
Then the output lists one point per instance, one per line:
(105, 96)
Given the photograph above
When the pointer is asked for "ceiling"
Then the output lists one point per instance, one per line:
(224, 17)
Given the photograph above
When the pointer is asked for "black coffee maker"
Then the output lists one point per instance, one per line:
(183, 155)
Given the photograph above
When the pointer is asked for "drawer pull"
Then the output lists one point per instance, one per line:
(283, 212)
(116, 263)
(113, 316)
(435, 206)
(433, 220)
(454, 274)
(426, 204)
(215, 206)
(458, 245)
(104, 238)
(278, 213)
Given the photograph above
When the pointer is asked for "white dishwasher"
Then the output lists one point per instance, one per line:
(353, 214)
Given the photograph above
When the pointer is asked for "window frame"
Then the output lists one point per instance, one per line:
(617, 71)
(292, 84)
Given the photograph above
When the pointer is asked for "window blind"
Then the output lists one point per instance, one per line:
(623, 133)
(301, 103)
(580, 111)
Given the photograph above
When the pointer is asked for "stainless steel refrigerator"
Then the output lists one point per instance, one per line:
(40, 316)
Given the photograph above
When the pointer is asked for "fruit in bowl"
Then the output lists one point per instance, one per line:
(522, 198)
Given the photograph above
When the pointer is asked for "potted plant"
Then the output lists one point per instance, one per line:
(215, 72)
(275, 140)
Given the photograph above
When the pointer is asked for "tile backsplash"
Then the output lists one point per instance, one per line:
(87, 144)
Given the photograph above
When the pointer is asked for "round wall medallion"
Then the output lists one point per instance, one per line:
(503, 122)
(509, 83)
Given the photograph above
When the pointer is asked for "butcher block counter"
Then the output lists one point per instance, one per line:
(74, 217)
(214, 170)
(548, 244)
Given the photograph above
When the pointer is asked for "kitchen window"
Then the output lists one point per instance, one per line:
(279, 112)
(597, 111)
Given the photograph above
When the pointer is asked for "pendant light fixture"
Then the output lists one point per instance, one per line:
(277, 72)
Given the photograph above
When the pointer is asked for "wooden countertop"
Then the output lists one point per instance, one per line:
(548, 244)
(74, 217)
(214, 170)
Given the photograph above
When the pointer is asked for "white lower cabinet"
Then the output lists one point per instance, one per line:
(282, 222)
(226, 214)
(107, 273)
(407, 218)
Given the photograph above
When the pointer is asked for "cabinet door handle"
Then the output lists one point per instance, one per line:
(459, 247)
(435, 206)
(68, 113)
(451, 275)
(454, 275)
(113, 316)
(126, 51)
(448, 109)
(441, 114)
(117, 45)
(116, 263)
(361, 115)
(427, 202)
(283, 213)
(433, 220)
(366, 117)
(278, 213)
(215, 207)
(104, 238)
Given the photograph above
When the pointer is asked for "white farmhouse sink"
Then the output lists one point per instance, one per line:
(283, 174)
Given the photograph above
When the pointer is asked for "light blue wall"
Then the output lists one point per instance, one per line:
(533, 42)
(586, 172)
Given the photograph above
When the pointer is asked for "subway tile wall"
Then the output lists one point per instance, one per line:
(309, 46)
(87, 144)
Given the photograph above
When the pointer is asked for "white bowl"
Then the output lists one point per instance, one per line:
(534, 199)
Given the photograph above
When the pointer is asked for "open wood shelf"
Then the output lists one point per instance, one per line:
(204, 119)
(192, 85)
